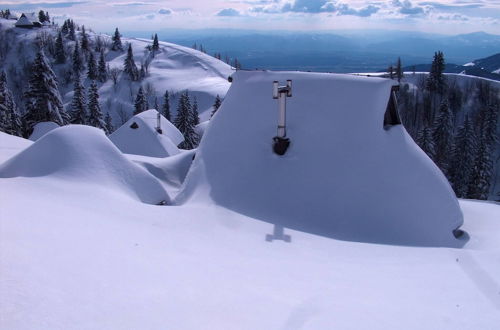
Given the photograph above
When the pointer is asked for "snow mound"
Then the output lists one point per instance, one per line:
(11, 145)
(202, 127)
(139, 136)
(41, 129)
(84, 155)
(344, 175)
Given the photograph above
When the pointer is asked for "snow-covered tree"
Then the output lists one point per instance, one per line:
(92, 67)
(184, 123)
(195, 116)
(165, 110)
(463, 158)
(109, 123)
(78, 111)
(442, 133)
(426, 142)
(483, 166)
(399, 70)
(96, 117)
(102, 72)
(43, 100)
(77, 60)
(60, 54)
(216, 106)
(85, 40)
(129, 66)
(41, 16)
(140, 103)
(71, 33)
(10, 119)
(117, 41)
(436, 80)
(156, 44)
(65, 28)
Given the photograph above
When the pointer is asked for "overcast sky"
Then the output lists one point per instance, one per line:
(450, 16)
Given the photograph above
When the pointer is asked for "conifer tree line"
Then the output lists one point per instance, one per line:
(456, 125)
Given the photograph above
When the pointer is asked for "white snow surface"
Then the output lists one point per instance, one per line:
(83, 155)
(80, 257)
(145, 140)
(469, 64)
(343, 176)
(41, 129)
(11, 145)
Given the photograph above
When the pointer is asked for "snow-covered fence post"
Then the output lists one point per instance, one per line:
(281, 142)
(158, 123)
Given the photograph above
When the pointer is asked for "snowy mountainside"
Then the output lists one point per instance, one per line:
(174, 69)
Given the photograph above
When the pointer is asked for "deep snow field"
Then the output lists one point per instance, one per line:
(87, 241)
(80, 255)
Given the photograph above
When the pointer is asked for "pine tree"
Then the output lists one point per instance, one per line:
(463, 158)
(10, 119)
(184, 123)
(95, 114)
(165, 111)
(117, 41)
(399, 70)
(85, 40)
(140, 102)
(102, 72)
(426, 142)
(109, 123)
(436, 81)
(483, 166)
(43, 100)
(65, 27)
(60, 54)
(129, 66)
(442, 133)
(47, 17)
(71, 34)
(156, 44)
(216, 105)
(195, 117)
(156, 106)
(41, 16)
(77, 61)
(78, 111)
(92, 67)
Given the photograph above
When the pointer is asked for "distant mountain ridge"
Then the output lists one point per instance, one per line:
(488, 67)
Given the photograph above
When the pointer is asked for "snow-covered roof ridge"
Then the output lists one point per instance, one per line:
(24, 21)
(343, 176)
(139, 136)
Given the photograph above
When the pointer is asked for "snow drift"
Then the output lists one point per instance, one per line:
(344, 175)
(11, 145)
(139, 136)
(83, 154)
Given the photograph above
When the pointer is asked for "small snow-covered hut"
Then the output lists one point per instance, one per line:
(24, 22)
(141, 135)
(351, 171)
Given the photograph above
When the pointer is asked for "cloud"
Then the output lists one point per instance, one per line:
(36, 5)
(405, 7)
(229, 12)
(457, 5)
(316, 7)
(165, 11)
(130, 4)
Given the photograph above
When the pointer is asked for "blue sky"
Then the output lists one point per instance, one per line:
(449, 17)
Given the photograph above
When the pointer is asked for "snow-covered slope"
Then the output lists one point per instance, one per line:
(174, 69)
(11, 145)
(83, 155)
(344, 175)
(139, 136)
